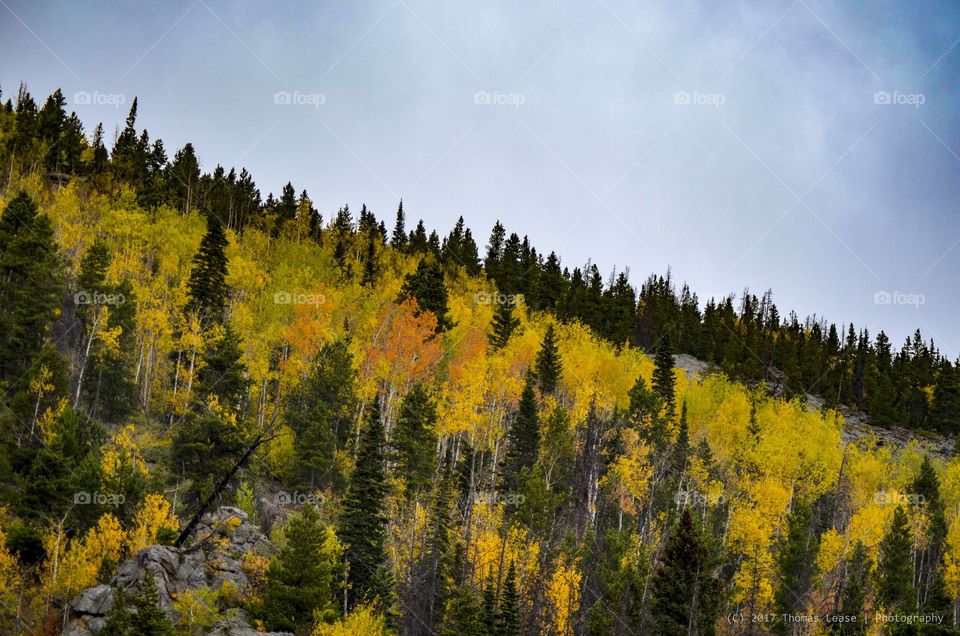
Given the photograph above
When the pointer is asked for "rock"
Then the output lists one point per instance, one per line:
(223, 538)
(239, 627)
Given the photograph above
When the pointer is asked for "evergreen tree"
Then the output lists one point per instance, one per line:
(300, 582)
(795, 568)
(663, 380)
(685, 594)
(549, 365)
(945, 411)
(895, 571)
(363, 518)
(399, 237)
(207, 286)
(145, 618)
(503, 325)
(30, 284)
(488, 606)
(464, 616)
(427, 287)
(223, 373)
(508, 614)
(855, 591)
(414, 439)
(523, 439)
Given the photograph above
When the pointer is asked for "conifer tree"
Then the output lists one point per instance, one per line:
(363, 518)
(223, 373)
(414, 439)
(488, 606)
(399, 237)
(464, 616)
(508, 614)
(523, 439)
(684, 591)
(300, 582)
(794, 563)
(427, 287)
(207, 286)
(144, 618)
(549, 365)
(855, 591)
(30, 284)
(895, 571)
(663, 380)
(503, 325)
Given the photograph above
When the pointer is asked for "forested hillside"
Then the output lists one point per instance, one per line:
(440, 438)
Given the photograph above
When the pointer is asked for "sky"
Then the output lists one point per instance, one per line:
(806, 146)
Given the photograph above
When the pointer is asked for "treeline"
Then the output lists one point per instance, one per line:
(913, 385)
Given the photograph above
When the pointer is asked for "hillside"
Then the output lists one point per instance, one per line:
(429, 444)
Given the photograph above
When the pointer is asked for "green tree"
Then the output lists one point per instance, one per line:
(399, 238)
(503, 325)
(300, 583)
(523, 439)
(895, 571)
(223, 373)
(414, 440)
(208, 290)
(795, 568)
(508, 614)
(663, 380)
(426, 286)
(684, 591)
(144, 618)
(30, 284)
(549, 365)
(363, 518)
(855, 591)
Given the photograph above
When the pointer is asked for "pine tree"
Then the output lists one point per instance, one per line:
(30, 284)
(895, 571)
(464, 616)
(223, 373)
(945, 411)
(427, 287)
(794, 564)
(523, 440)
(363, 518)
(414, 440)
(399, 237)
(503, 325)
(207, 286)
(488, 606)
(508, 614)
(855, 591)
(684, 591)
(145, 618)
(549, 365)
(300, 582)
(663, 380)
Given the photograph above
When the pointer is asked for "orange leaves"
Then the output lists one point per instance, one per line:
(403, 349)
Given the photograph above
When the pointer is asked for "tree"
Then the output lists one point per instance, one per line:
(145, 618)
(363, 519)
(300, 582)
(30, 284)
(414, 440)
(503, 325)
(208, 289)
(794, 563)
(508, 614)
(523, 439)
(685, 593)
(663, 380)
(895, 571)
(399, 238)
(855, 591)
(427, 287)
(549, 365)
(223, 373)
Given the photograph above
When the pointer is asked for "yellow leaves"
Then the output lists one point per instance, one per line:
(952, 559)
(832, 551)
(362, 620)
(563, 594)
(77, 564)
(197, 610)
(8, 578)
(630, 472)
(495, 546)
(122, 454)
(153, 516)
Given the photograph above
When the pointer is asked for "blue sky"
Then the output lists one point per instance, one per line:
(806, 146)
